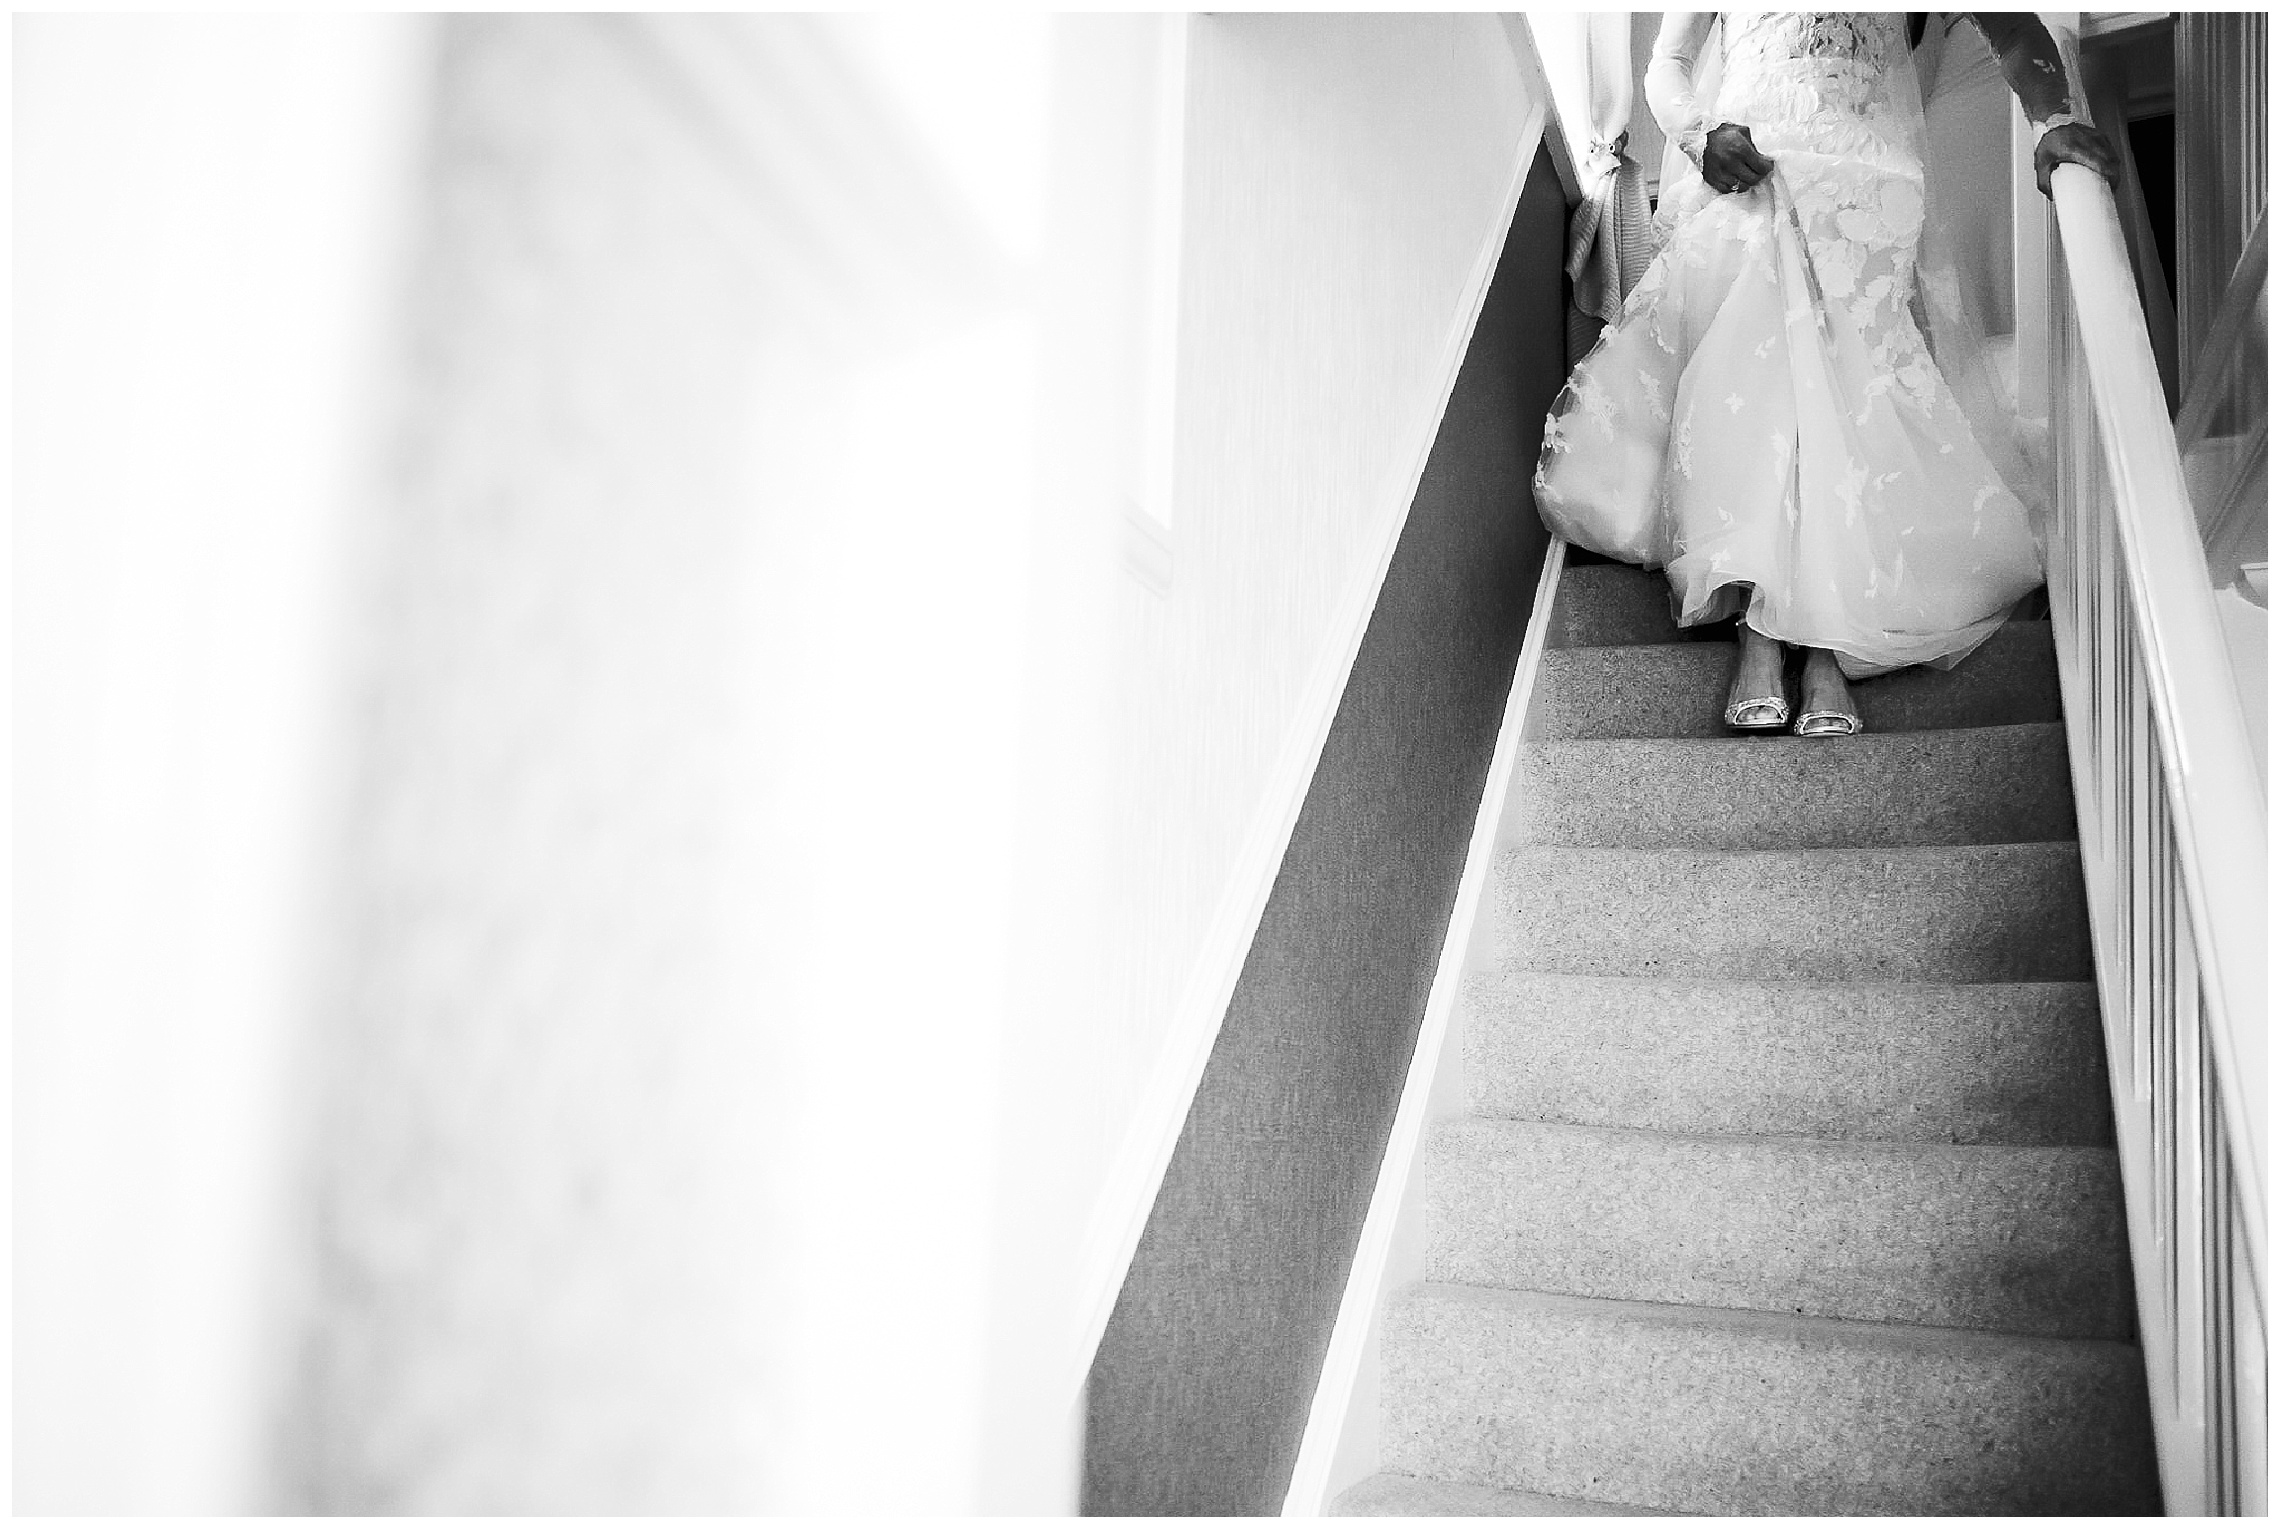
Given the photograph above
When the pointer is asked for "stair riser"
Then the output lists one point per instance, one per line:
(1612, 605)
(1990, 1063)
(1759, 1416)
(1679, 690)
(1992, 785)
(1390, 1496)
(2006, 1239)
(1607, 605)
(1998, 913)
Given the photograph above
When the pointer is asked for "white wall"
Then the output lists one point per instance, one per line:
(204, 217)
(666, 1040)
(525, 580)
(610, 866)
(1346, 178)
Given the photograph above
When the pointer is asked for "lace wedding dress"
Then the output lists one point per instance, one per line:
(1765, 422)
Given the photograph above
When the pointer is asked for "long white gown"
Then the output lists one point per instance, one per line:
(1765, 422)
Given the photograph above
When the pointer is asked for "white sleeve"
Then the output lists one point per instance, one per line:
(1670, 80)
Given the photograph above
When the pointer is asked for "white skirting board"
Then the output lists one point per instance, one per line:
(1146, 1152)
(1341, 1446)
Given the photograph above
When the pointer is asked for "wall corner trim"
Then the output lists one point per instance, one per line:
(1519, 32)
(1120, 1216)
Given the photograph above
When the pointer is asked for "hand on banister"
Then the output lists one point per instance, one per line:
(2075, 143)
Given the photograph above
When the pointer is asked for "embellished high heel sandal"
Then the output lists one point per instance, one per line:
(1827, 724)
(1763, 713)
(1766, 714)
(1826, 721)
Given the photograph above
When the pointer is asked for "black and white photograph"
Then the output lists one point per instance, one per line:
(935, 763)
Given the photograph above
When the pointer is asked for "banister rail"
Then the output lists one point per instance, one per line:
(2173, 845)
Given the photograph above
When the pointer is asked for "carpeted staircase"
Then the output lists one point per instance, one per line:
(1788, 1184)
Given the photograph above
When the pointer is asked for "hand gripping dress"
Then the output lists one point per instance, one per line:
(1764, 422)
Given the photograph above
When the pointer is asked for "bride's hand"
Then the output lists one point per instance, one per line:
(2071, 143)
(1730, 161)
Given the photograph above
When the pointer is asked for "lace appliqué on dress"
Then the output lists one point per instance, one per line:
(1833, 487)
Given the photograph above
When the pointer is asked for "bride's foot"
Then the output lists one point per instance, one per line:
(1756, 702)
(1827, 705)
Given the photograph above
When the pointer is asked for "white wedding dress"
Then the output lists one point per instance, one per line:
(1765, 422)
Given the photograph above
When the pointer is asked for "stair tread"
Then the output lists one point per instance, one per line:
(1751, 1412)
(2003, 783)
(1905, 1061)
(1678, 689)
(1858, 853)
(1985, 912)
(1771, 747)
(1769, 1141)
(2006, 1238)
(1803, 1327)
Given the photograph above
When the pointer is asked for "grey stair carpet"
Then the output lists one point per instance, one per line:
(1614, 605)
(1610, 605)
(2015, 1239)
(1786, 1183)
(1898, 1061)
(1968, 785)
(1392, 1496)
(1678, 690)
(1708, 1411)
(1944, 913)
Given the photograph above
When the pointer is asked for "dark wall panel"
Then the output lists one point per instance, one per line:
(1199, 1392)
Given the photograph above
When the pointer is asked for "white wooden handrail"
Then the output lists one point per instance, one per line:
(2173, 835)
(2212, 773)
